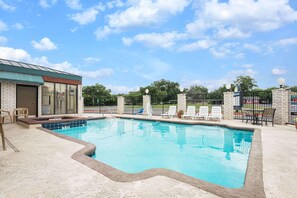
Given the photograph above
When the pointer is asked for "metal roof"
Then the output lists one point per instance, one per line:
(26, 68)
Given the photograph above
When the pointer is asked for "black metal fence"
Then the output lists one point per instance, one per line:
(160, 105)
(133, 105)
(102, 106)
(254, 101)
(198, 100)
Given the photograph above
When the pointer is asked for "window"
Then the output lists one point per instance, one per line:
(48, 98)
(60, 98)
(71, 99)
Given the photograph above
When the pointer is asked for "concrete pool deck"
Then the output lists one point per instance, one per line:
(43, 167)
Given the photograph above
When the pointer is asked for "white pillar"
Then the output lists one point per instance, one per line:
(181, 102)
(121, 105)
(228, 105)
(146, 99)
(80, 102)
(281, 102)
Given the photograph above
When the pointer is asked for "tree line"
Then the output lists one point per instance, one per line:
(165, 91)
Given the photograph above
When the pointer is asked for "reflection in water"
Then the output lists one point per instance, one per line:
(219, 138)
(181, 136)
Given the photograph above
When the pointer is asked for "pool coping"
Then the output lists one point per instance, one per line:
(253, 187)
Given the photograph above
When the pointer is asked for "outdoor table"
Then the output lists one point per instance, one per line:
(254, 113)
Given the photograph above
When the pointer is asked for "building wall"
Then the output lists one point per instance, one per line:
(8, 97)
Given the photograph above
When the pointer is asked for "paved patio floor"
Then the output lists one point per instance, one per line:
(40, 165)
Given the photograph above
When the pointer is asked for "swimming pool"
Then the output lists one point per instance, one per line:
(214, 154)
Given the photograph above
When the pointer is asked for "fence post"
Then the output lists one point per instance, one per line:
(228, 105)
(181, 102)
(281, 102)
(146, 99)
(120, 104)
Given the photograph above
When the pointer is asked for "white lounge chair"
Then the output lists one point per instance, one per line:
(171, 112)
(203, 113)
(191, 112)
(216, 113)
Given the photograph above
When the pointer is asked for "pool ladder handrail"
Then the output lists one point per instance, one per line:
(110, 112)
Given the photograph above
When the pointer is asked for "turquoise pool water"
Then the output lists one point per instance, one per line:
(215, 154)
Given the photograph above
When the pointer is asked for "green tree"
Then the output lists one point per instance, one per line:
(197, 92)
(218, 93)
(92, 93)
(294, 88)
(162, 91)
(246, 83)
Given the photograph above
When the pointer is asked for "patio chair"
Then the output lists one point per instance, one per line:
(267, 116)
(140, 111)
(20, 112)
(171, 112)
(203, 113)
(5, 114)
(191, 111)
(216, 113)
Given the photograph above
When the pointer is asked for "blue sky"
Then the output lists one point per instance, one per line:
(127, 44)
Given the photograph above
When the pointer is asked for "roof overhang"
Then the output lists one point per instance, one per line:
(21, 77)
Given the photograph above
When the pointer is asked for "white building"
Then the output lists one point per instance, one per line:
(44, 91)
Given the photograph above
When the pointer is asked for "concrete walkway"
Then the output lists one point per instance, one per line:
(43, 167)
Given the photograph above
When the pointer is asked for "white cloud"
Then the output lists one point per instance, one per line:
(241, 16)
(288, 41)
(3, 40)
(18, 26)
(3, 26)
(114, 3)
(103, 33)
(213, 84)
(165, 40)
(201, 44)
(86, 17)
(14, 54)
(44, 44)
(74, 4)
(22, 55)
(92, 60)
(220, 52)
(252, 47)
(232, 33)
(278, 71)
(120, 89)
(5, 6)
(47, 3)
(143, 13)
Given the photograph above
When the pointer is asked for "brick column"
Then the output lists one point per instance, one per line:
(228, 105)
(181, 102)
(120, 105)
(281, 102)
(80, 102)
(146, 99)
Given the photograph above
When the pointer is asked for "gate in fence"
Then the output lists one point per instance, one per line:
(253, 101)
(293, 108)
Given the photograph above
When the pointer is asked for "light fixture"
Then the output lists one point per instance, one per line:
(228, 86)
(281, 82)
(181, 89)
(147, 91)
